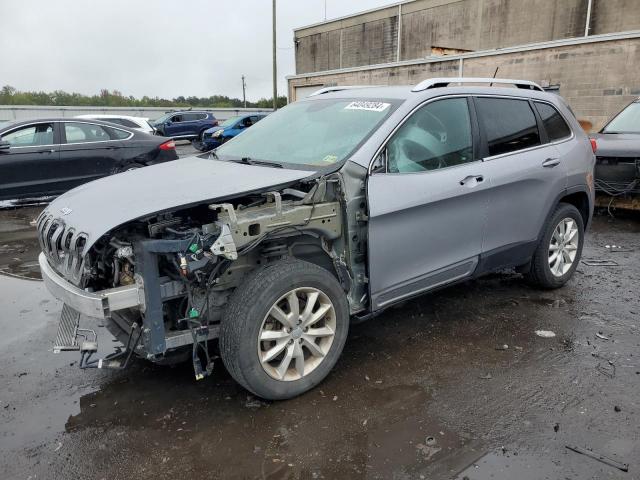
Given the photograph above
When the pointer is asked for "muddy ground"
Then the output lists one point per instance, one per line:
(427, 390)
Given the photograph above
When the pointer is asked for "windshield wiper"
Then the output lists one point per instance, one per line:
(250, 161)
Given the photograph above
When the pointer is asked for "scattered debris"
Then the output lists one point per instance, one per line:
(488, 376)
(430, 449)
(601, 458)
(519, 348)
(545, 333)
(335, 397)
(58, 447)
(253, 402)
(617, 408)
(601, 336)
(502, 347)
(600, 263)
(607, 369)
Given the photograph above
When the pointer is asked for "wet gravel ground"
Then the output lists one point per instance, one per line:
(426, 390)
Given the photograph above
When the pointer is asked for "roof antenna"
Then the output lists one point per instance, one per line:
(494, 75)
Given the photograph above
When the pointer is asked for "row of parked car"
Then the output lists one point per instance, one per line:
(47, 157)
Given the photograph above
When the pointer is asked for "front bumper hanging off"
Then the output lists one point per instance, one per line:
(92, 304)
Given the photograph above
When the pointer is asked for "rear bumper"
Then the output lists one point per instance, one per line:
(92, 304)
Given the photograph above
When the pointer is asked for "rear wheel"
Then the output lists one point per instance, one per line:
(284, 329)
(560, 248)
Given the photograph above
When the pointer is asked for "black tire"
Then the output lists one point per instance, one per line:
(247, 309)
(540, 273)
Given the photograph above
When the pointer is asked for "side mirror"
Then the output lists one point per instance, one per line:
(5, 146)
(167, 123)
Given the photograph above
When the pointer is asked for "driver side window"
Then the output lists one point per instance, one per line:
(436, 136)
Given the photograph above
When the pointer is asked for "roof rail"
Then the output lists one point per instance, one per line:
(339, 89)
(446, 81)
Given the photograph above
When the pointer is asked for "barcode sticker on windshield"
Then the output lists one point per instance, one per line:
(369, 106)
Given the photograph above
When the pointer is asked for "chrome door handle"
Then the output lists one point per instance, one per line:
(472, 180)
(551, 162)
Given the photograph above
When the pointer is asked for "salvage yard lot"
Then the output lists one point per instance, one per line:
(426, 390)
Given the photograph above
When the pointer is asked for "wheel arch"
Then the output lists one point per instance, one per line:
(580, 200)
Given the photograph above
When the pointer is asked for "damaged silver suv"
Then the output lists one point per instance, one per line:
(327, 211)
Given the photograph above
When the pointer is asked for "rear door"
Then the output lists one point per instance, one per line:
(191, 123)
(526, 173)
(88, 151)
(30, 167)
(427, 208)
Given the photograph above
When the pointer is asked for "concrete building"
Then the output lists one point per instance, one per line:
(587, 49)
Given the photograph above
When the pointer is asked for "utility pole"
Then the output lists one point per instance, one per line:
(275, 65)
(325, 10)
(244, 92)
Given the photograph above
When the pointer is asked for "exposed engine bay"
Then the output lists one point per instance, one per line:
(190, 261)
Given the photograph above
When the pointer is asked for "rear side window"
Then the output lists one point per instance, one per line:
(553, 122)
(117, 134)
(509, 124)
(76, 132)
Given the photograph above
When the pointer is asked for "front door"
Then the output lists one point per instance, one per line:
(428, 206)
(29, 167)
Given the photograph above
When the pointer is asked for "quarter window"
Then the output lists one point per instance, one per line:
(117, 134)
(31, 136)
(553, 122)
(436, 136)
(85, 132)
(509, 124)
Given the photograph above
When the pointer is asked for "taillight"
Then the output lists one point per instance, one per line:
(170, 145)
(594, 145)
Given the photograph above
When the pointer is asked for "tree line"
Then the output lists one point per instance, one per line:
(114, 98)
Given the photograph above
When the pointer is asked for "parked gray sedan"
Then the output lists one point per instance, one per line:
(330, 209)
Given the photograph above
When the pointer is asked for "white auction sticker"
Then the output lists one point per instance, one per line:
(369, 106)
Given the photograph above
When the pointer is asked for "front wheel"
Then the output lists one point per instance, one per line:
(284, 329)
(560, 248)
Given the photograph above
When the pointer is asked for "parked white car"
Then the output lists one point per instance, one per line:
(140, 124)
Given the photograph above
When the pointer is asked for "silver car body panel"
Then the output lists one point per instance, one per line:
(102, 205)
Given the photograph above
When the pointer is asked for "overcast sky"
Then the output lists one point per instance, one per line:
(156, 48)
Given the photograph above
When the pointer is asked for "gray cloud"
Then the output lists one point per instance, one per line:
(161, 48)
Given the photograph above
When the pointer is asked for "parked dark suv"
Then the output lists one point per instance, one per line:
(188, 124)
(334, 207)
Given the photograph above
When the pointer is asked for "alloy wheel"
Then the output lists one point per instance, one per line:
(563, 246)
(296, 334)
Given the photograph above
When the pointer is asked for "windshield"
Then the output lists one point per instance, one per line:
(230, 122)
(627, 121)
(309, 133)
